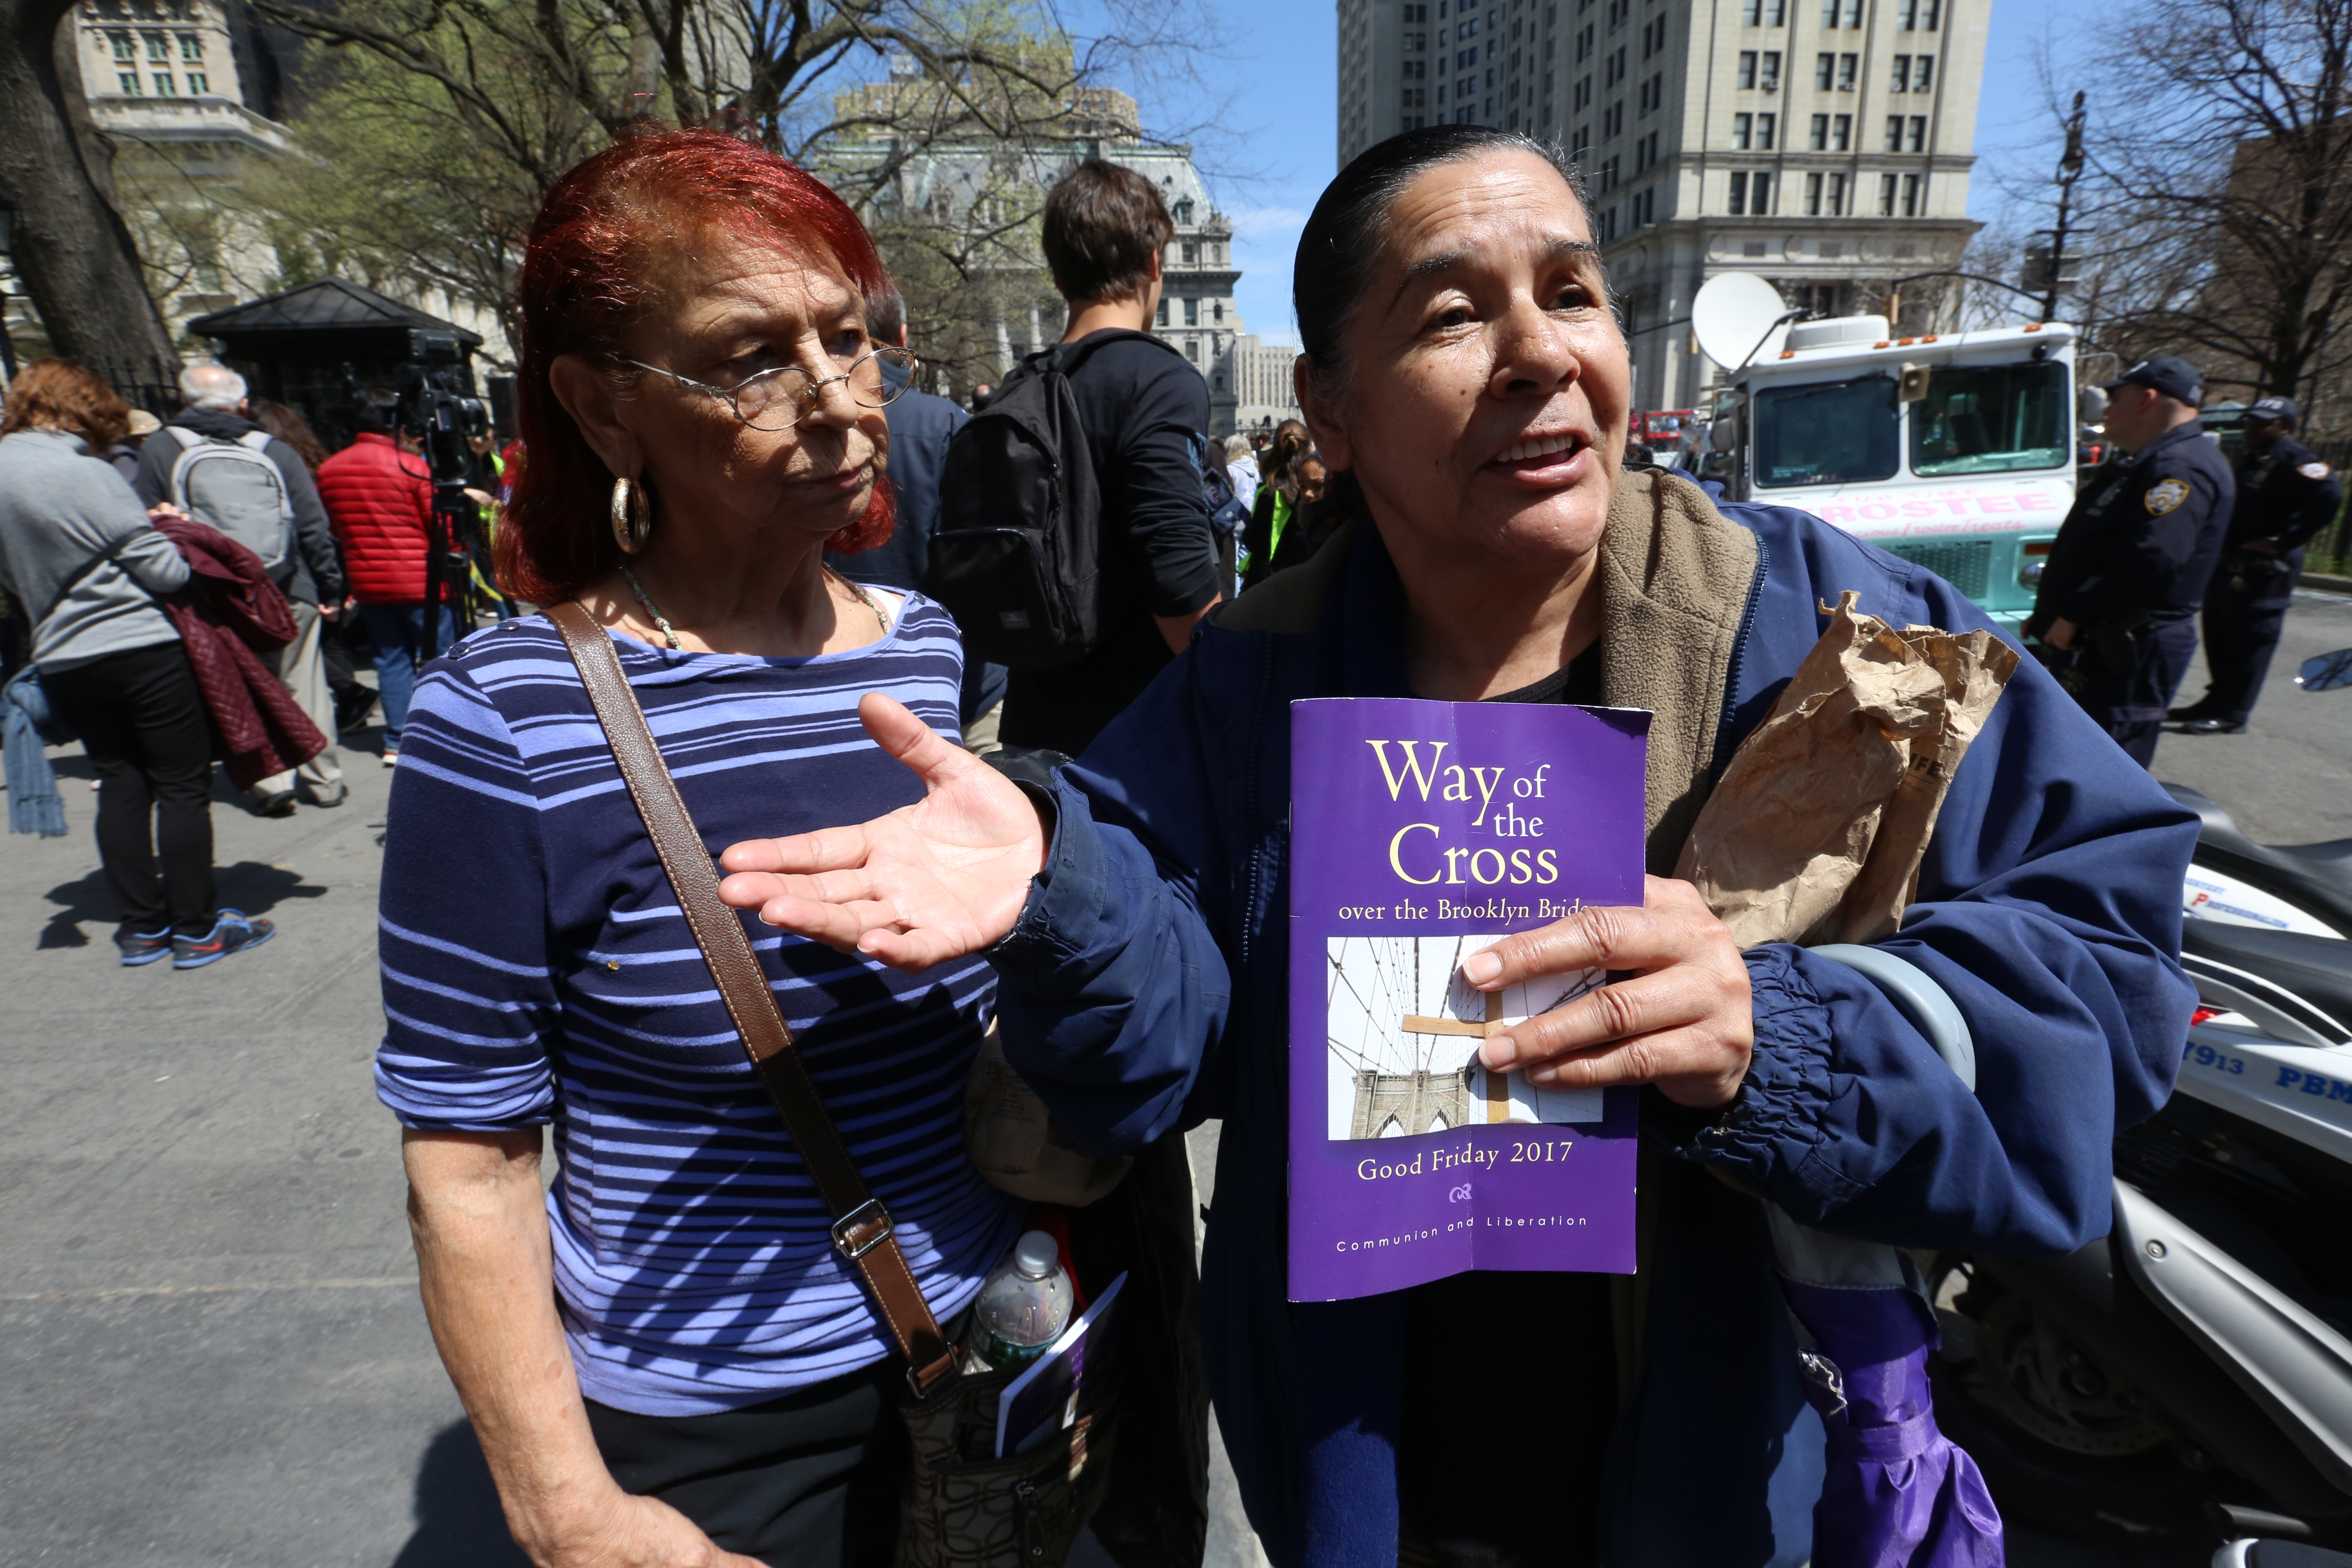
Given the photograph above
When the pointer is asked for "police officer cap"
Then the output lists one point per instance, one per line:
(2269, 408)
(2166, 374)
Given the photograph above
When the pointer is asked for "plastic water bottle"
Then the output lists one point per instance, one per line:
(1023, 1305)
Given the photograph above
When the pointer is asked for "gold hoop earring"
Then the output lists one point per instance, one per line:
(632, 516)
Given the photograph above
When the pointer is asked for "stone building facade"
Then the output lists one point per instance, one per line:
(996, 189)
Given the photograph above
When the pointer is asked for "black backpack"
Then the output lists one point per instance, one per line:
(1015, 555)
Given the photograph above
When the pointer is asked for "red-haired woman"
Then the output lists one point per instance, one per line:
(79, 555)
(665, 1358)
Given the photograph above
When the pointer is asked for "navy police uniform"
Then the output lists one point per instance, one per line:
(2129, 568)
(2286, 495)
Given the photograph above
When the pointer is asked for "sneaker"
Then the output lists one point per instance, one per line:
(391, 759)
(278, 805)
(139, 947)
(341, 795)
(352, 708)
(233, 931)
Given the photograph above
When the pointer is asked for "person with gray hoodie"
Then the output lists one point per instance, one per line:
(300, 551)
(79, 555)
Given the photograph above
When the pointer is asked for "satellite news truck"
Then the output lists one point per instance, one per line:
(1954, 450)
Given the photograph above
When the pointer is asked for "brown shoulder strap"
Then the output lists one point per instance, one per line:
(861, 1226)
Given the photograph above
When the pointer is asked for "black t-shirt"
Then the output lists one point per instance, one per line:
(1146, 412)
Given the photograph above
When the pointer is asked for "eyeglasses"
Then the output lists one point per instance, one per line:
(780, 398)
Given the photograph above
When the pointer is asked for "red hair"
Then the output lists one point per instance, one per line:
(589, 277)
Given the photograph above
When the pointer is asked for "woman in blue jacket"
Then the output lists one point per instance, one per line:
(1463, 369)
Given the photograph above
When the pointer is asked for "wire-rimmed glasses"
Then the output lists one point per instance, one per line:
(779, 399)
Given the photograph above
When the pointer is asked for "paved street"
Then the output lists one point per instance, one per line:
(209, 1334)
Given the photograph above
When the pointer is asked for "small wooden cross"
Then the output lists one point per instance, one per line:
(1499, 1087)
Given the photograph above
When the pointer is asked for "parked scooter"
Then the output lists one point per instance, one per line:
(2189, 1375)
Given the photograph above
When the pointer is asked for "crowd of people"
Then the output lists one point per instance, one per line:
(183, 592)
(693, 1348)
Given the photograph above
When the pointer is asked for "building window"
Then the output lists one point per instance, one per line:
(191, 48)
(1776, 13)
(1885, 196)
(1837, 204)
(1812, 196)
(1841, 133)
(1767, 132)
(162, 80)
(1746, 79)
(1743, 131)
(1772, 82)
(1895, 134)
(1918, 133)
(1817, 136)
(1751, 193)
(1192, 350)
(1751, 14)
(126, 48)
(1739, 207)
(1163, 300)
(159, 49)
(1915, 193)
(1191, 313)
(1846, 64)
(126, 83)
(198, 84)
(1923, 74)
(1828, 13)
(1824, 67)
(1902, 82)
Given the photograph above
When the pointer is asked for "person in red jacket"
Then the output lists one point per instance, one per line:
(378, 496)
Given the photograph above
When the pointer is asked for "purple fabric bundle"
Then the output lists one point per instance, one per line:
(1898, 1493)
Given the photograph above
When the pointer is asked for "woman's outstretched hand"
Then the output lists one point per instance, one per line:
(1684, 1019)
(929, 882)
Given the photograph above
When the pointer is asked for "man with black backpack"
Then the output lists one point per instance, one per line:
(227, 472)
(1074, 541)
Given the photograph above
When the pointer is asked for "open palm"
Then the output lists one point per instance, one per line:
(926, 883)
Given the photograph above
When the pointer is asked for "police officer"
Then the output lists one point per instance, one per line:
(2116, 613)
(2286, 495)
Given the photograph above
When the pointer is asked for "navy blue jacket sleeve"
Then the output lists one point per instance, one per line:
(1114, 988)
(2049, 910)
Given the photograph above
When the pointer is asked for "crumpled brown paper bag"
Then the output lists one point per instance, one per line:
(1815, 833)
(1015, 1143)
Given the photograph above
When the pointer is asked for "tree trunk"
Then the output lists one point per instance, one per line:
(72, 249)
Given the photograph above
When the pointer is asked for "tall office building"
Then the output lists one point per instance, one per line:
(1824, 145)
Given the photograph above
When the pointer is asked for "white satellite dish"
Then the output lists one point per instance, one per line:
(1733, 319)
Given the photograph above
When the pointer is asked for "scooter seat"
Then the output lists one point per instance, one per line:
(2336, 855)
(2318, 878)
(2317, 968)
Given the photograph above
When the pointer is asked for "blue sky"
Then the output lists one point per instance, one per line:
(1273, 147)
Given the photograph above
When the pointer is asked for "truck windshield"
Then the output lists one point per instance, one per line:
(1833, 433)
(1990, 419)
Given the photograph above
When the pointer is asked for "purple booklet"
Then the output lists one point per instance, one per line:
(1422, 832)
